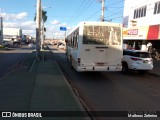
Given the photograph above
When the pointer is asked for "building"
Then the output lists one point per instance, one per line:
(12, 34)
(141, 23)
(1, 30)
(140, 12)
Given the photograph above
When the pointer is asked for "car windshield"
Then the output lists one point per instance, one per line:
(142, 54)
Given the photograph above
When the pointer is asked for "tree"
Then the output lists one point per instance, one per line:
(44, 16)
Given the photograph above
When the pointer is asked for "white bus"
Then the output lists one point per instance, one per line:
(95, 46)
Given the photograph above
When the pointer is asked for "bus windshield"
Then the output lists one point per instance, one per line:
(101, 35)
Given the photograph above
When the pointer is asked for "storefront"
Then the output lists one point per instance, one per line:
(139, 37)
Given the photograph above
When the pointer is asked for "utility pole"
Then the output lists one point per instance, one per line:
(38, 28)
(1, 30)
(103, 8)
(42, 35)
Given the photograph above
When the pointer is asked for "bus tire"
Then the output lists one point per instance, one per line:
(71, 65)
(125, 68)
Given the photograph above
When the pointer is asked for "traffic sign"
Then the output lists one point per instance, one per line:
(63, 28)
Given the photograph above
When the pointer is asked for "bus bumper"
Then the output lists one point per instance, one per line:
(99, 68)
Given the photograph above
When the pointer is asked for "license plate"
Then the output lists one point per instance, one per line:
(100, 64)
(145, 61)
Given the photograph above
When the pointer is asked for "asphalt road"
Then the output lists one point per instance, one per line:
(10, 58)
(113, 91)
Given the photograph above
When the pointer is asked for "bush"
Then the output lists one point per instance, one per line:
(1, 46)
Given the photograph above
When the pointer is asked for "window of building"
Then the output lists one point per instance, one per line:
(140, 12)
(157, 8)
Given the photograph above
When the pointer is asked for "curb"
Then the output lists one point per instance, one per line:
(32, 66)
(154, 74)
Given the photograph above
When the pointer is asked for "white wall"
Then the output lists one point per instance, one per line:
(149, 19)
(12, 31)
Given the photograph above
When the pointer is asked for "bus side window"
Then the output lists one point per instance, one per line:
(77, 37)
(72, 38)
(69, 41)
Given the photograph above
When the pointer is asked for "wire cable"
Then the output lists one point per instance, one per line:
(88, 4)
(78, 8)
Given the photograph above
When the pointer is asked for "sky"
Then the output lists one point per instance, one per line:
(60, 13)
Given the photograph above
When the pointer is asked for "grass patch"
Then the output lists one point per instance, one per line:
(2, 46)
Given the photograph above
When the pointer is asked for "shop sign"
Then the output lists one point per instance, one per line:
(151, 32)
(133, 32)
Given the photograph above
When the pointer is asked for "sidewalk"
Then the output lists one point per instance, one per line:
(41, 88)
(156, 68)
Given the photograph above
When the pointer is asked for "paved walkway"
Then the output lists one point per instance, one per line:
(156, 68)
(41, 88)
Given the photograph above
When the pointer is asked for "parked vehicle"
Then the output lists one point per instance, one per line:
(140, 61)
(7, 43)
(62, 46)
(95, 46)
(31, 45)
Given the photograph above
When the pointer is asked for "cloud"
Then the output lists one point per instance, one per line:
(63, 24)
(22, 25)
(29, 32)
(53, 31)
(55, 22)
(28, 25)
(10, 25)
(18, 16)
(21, 15)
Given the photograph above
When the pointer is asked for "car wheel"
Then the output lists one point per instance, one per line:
(125, 68)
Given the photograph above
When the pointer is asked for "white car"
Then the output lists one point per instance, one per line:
(61, 46)
(31, 45)
(7, 43)
(140, 61)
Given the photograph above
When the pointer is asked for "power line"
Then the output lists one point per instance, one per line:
(85, 7)
(93, 14)
(115, 3)
(113, 12)
(79, 8)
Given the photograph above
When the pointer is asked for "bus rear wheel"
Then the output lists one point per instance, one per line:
(71, 64)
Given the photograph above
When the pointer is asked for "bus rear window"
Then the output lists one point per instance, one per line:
(102, 35)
